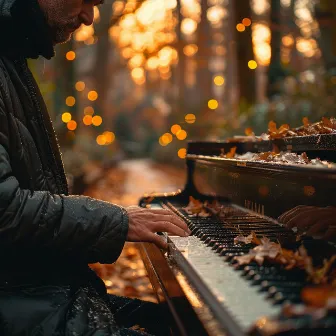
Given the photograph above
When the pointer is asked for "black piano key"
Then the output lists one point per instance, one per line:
(261, 269)
(273, 291)
(274, 286)
(259, 278)
(280, 298)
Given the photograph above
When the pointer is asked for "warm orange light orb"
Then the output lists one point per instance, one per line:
(87, 120)
(97, 120)
(88, 110)
(213, 104)
(66, 117)
(219, 80)
(70, 55)
(175, 128)
(240, 27)
(252, 64)
(167, 138)
(80, 86)
(109, 136)
(181, 135)
(70, 101)
(190, 118)
(92, 95)
(182, 153)
(162, 142)
(71, 125)
(101, 140)
(247, 22)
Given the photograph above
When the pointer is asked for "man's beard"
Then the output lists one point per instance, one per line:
(62, 32)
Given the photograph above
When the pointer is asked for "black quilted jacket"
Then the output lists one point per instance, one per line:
(47, 237)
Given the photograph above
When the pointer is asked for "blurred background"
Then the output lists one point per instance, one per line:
(128, 92)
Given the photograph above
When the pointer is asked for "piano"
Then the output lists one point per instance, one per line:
(198, 280)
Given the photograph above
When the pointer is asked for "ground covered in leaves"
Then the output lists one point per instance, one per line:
(124, 185)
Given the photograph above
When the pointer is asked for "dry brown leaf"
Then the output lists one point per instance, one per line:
(272, 127)
(318, 296)
(249, 131)
(231, 154)
(305, 122)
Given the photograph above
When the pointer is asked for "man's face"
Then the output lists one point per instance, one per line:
(65, 16)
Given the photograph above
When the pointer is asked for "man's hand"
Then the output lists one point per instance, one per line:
(144, 223)
(315, 221)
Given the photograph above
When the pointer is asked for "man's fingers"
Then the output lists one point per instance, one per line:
(167, 216)
(320, 227)
(290, 214)
(164, 226)
(158, 241)
(330, 235)
(305, 218)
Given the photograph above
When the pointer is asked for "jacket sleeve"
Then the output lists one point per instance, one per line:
(79, 226)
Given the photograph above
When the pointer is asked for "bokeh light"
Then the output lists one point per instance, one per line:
(219, 80)
(93, 95)
(213, 104)
(66, 117)
(80, 86)
(97, 120)
(101, 140)
(71, 125)
(181, 135)
(240, 27)
(70, 101)
(252, 64)
(70, 55)
(190, 118)
(87, 120)
(247, 22)
(109, 137)
(182, 153)
(175, 128)
(89, 110)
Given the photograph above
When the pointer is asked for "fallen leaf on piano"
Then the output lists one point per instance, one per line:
(226, 211)
(214, 206)
(242, 239)
(290, 311)
(266, 250)
(231, 154)
(319, 296)
(326, 122)
(138, 328)
(251, 238)
(196, 208)
(249, 131)
(305, 122)
(272, 126)
(325, 274)
(273, 252)
(203, 213)
(275, 149)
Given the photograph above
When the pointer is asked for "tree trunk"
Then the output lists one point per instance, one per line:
(276, 72)
(204, 78)
(244, 51)
(101, 73)
(325, 14)
(181, 87)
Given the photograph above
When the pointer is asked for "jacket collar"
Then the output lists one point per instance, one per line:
(24, 30)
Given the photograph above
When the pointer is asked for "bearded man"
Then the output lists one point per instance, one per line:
(47, 237)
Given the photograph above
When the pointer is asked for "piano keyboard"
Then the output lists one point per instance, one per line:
(244, 293)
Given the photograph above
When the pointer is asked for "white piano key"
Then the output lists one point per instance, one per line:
(240, 299)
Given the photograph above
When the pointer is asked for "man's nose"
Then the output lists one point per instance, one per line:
(86, 15)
